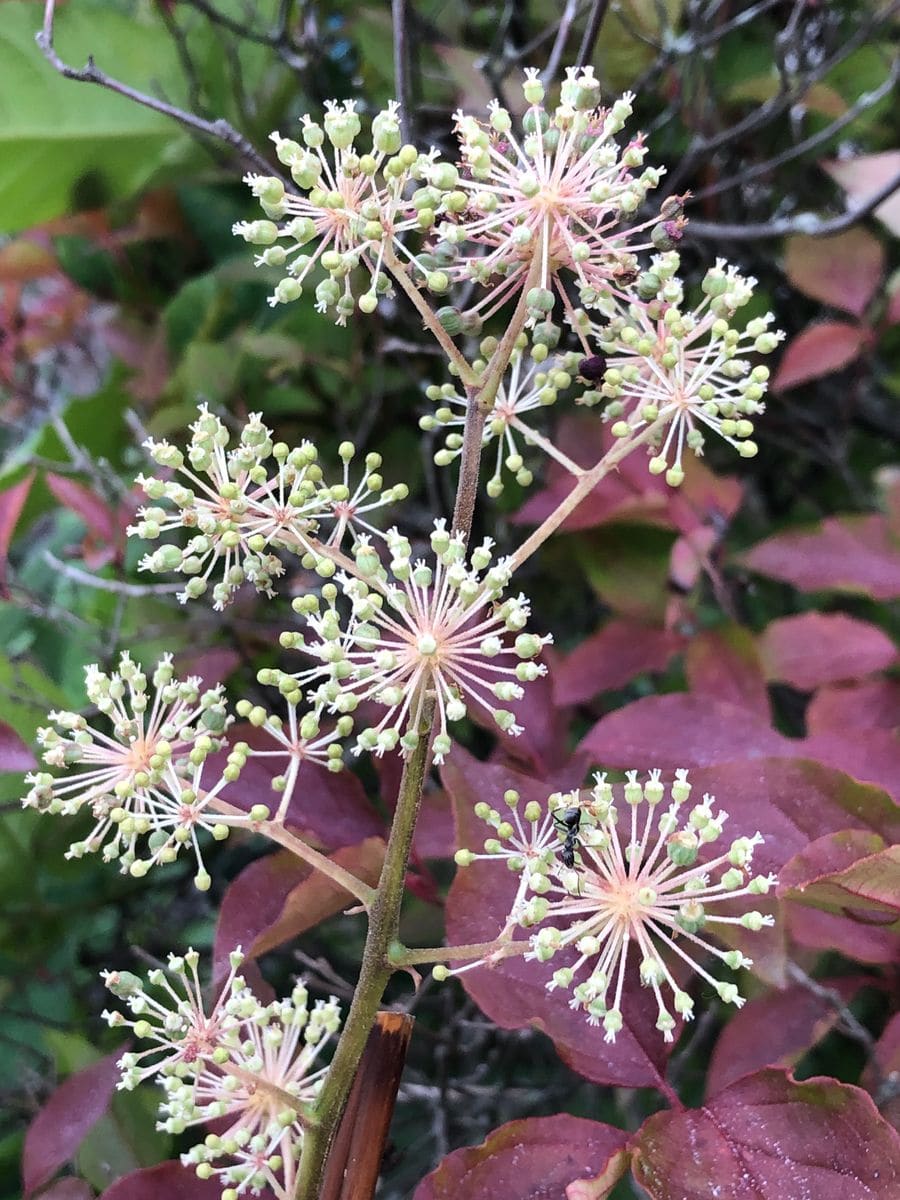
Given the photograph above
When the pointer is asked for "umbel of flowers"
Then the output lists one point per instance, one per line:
(401, 634)
(252, 1068)
(636, 895)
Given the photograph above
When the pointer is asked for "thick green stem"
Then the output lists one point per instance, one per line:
(384, 920)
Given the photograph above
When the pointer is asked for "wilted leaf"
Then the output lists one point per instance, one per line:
(64, 1122)
(815, 648)
(513, 992)
(770, 1138)
(532, 1159)
(611, 658)
(793, 1019)
(820, 350)
(843, 271)
(724, 664)
(842, 554)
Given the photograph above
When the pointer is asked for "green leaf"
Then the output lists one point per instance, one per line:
(65, 145)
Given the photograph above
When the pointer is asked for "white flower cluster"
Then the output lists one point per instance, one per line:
(250, 1067)
(614, 887)
(242, 503)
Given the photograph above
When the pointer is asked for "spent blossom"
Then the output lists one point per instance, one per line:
(529, 385)
(351, 207)
(142, 780)
(636, 894)
(555, 199)
(399, 635)
(681, 364)
(250, 1067)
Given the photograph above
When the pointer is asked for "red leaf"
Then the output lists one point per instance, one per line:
(12, 501)
(850, 871)
(213, 664)
(513, 992)
(864, 176)
(864, 706)
(168, 1181)
(14, 754)
(815, 648)
(682, 730)
(793, 1019)
(819, 350)
(532, 1159)
(843, 271)
(724, 664)
(278, 897)
(770, 1138)
(327, 807)
(842, 554)
(871, 755)
(611, 658)
(94, 511)
(68, 1188)
(63, 1123)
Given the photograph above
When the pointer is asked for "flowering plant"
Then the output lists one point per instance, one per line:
(534, 258)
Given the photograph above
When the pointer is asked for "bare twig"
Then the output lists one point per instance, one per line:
(401, 66)
(115, 586)
(219, 131)
(849, 1024)
(806, 223)
(559, 44)
(591, 32)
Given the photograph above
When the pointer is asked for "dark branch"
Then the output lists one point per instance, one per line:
(804, 223)
(400, 30)
(219, 131)
(591, 32)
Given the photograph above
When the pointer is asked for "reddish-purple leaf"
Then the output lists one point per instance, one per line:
(819, 350)
(278, 897)
(818, 930)
(611, 658)
(815, 648)
(850, 871)
(12, 501)
(534, 1159)
(329, 808)
(842, 554)
(435, 836)
(68, 1188)
(793, 1019)
(513, 993)
(769, 1138)
(93, 510)
(66, 1119)
(213, 664)
(15, 755)
(168, 1181)
(871, 755)
(682, 730)
(865, 706)
(724, 664)
(865, 176)
(843, 271)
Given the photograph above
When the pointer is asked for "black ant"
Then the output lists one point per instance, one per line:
(568, 823)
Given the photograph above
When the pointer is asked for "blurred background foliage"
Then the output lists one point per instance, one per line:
(124, 300)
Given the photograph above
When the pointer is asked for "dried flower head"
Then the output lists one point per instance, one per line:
(398, 636)
(249, 1066)
(680, 365)
(635, 883)
(243, 503)
(558, 196)
(351, 206)
(142, 780)
(528, 385)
